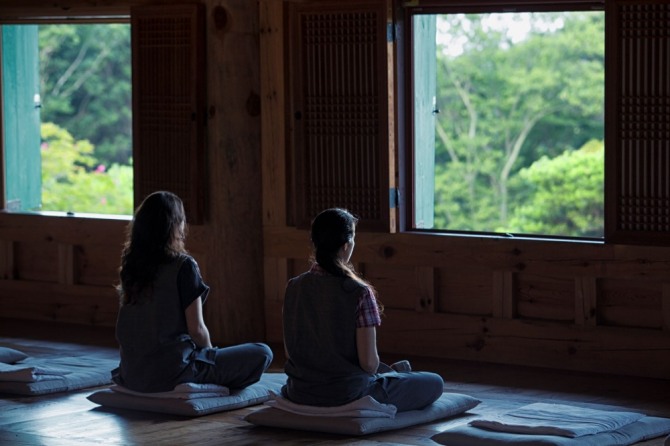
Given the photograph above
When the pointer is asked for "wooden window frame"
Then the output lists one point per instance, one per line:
(637, 116)
(193, 192)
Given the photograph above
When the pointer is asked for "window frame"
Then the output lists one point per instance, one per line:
(405, 75)
(49, 16)
(194, 194)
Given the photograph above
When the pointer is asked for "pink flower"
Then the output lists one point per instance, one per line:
(100, 169)
(44, 146)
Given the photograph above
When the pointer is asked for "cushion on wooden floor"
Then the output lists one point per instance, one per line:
(10, 355)
(640, 430)
(363, 407)
(257, 393)
(449, 404)
(74, 373)
(564, 420)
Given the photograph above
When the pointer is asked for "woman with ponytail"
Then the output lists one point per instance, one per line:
(330, 317)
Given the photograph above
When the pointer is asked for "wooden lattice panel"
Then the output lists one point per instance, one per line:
(341, 106)
(643, 132)
(168, 78)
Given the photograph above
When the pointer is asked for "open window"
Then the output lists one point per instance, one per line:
(621, 168)
(506, 129)
(149, 104)
(67, 117)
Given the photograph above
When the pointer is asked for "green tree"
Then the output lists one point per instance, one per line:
(505, 103)
(85, 84)
(562, 195)
(72, 182)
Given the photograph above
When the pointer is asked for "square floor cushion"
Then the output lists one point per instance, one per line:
(449, 404)
(254, 394)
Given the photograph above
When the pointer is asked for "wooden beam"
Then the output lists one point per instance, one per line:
(275, 275)
(273, 138)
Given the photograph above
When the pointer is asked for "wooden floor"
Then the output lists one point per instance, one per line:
(70, 419)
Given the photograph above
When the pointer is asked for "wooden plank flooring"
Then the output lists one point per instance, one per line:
(70, 419)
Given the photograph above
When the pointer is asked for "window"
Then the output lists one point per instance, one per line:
(67, 117)
(168, 103)
(507, 123)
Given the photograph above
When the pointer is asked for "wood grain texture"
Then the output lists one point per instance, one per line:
(579, 306)
(70, 419)
(273, 140)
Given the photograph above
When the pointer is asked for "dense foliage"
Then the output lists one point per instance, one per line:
(512, 108)
(518, 137)
(85, 84)
(72, 179)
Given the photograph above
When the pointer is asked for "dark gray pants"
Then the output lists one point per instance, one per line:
(235, 367)
(407, 390)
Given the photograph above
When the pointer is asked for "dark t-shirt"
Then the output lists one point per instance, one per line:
(190, 283)
(157, 352)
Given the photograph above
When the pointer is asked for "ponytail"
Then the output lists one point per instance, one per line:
(331, 229)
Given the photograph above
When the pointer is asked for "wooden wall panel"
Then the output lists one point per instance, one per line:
(35, 261)
(76, 304)
(586, 301)
(427, 281)
(627, 303)
(535, 343)
(544, 297)
(56, 278)
(465, 290)
(396, 285)
(96, 266)
(561, 304)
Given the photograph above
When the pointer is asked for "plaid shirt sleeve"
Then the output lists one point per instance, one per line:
(368, 311)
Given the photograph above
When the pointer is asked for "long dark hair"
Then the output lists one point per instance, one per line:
(155, 236)
(331, 229)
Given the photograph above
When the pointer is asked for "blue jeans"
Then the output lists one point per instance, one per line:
(407, 390)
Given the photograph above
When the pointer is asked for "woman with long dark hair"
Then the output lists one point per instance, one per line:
(163, 338)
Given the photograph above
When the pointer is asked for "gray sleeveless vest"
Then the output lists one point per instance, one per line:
(155, 346)
(319, 318)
